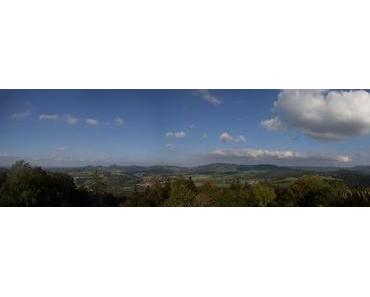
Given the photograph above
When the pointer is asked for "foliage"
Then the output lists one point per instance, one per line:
(183, 192)
(262, 195)
(24, 185)
(27, 186)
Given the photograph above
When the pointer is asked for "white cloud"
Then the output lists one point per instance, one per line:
(119, 121)
(281, 155)
(227, 138)
(170, 147)
(205, 135)
(178, 135)
(273, 124)
(49, 117)
(256, 153)
(207, 96)
(21, 114)
(71, 120)
(321, 114)
(92, 122)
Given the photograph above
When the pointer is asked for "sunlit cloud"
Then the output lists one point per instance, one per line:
(321, 114)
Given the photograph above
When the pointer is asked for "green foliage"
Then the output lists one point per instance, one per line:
(311, 191)
(27, 186)
(262, 195)
(24, 185)
(234, 196)
(207, 195)
(183, 192)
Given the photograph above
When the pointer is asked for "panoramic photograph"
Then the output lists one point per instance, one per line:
(185, 148)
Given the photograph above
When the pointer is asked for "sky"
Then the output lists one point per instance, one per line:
(57, 128)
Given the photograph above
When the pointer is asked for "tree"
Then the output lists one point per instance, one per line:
(262, 195)
(311, 191)
(285, 197)
(183, 192)
(27, 186)
(154, 193)
(20, 188)
(237, 195)
(2, 178)
(207, 195)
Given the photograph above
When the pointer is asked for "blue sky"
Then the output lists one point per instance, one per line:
(184, 127)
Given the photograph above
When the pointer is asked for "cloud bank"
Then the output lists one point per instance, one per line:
(286, 157)
(321, 114)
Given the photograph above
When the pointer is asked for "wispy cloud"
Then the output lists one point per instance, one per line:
(119, 121)
(21, 114)
(227, 138)
(92, 122)
(49, 117)
(71, 120)
(170, 147)
(178, 135)
(205, 135)
(207, 96)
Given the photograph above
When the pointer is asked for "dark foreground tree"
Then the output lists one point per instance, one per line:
(27, 186)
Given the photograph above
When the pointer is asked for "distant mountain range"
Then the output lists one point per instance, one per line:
(221, 168)
(214, 168)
